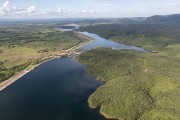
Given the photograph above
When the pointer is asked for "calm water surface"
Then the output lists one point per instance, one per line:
(102, 42)
(56, 90)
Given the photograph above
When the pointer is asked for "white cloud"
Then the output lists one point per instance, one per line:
(27, 11)
(7, 8)
(84, 11)
(1, 12)
(59, 10)
(88, 11)
(31, 9)
(92, 11)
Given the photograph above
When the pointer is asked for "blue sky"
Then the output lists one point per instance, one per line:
(86, 8)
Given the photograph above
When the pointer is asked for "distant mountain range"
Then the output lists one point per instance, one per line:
(164, 19)
(157, 19)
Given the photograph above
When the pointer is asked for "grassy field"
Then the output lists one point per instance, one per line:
(25, 44)
(138, 86)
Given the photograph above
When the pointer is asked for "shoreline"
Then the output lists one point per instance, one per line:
(103, 114)
(18, 75)
(4, 84)
(152, 51)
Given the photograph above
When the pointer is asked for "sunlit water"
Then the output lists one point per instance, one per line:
(102, 42)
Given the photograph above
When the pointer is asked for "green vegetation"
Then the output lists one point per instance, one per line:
(162, 38)
(141, 86)
(24, 44)
(138, 86)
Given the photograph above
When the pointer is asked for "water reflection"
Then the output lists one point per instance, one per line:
(57, 90)
(102, 42)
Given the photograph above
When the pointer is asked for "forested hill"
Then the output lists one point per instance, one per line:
(138, 86)
(164, 19)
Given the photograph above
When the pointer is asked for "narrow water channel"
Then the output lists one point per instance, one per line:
(102, 42)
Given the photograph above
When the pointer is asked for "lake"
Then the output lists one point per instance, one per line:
(102, 42)
(56, 90)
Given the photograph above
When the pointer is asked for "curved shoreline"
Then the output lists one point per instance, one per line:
(110, 118)
(152, 51)
(17, 76)
(4, 84)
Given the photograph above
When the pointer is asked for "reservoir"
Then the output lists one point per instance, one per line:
(56, 90)
(102, 42)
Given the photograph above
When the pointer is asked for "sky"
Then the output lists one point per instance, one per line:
(39, 9)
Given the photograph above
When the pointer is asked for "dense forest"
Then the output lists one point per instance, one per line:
(134, 34)
(138, 86)
(162, 38)
(143, 86)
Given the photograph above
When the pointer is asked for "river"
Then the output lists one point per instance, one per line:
(102, 42)
(56, 90)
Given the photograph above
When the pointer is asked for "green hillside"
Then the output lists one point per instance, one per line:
(138, 86)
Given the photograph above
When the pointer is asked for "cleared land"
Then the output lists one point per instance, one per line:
(138, 86)
(29, 44)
